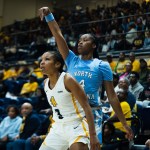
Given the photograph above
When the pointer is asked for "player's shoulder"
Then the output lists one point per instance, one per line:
(101, 62)
(68, 77)
(46, 80)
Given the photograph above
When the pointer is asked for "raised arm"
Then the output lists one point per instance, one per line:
(113, 99)
(73, 87)
(56, 32)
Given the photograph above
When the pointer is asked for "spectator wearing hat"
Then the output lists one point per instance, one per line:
(144, 72)
(135, 62)
(135, 87)
(110, 60)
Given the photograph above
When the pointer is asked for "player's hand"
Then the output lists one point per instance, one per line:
(147, 143)
(94, 143)
(44, 11)
(129, 132)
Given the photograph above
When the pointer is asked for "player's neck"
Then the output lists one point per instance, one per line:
(87, 57)
(53, 80)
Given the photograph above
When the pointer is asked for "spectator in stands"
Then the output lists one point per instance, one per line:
(124, 84)
(9, 127)
(29, 87)
(8, 72)
(18, 70)
(145, 96)
(30, 124)
(37, 71)
(124, 25)
(122, 44)
(132, 33)
(144, 72)
(146, 92)
(108, 132)
(35, 141)
(111, 42)
(41, 100)
(110, 60)
(147, 41)
(138, 41)
(126, 74)
(139, 25)
(122, 96)
(120, 66)
(135, 87)
(135, 62)
(25, 72)
(109, 137)
(105, 46)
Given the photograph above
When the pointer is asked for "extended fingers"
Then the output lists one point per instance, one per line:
(43, 12)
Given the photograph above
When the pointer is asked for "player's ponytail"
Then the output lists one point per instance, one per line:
(95, 41)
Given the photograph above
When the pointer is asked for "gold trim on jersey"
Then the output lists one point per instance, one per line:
(44, 143)
(85, 130)
(77, 139)
(76, 107)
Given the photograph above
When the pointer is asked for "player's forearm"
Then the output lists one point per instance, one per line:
(61, 43)
(54, 28)
(90, 120)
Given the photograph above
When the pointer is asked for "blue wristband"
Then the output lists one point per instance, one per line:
(49, 17)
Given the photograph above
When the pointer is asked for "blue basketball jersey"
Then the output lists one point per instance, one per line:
(90, 74)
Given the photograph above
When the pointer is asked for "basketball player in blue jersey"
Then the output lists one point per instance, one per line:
(89, 72)
(70, 106)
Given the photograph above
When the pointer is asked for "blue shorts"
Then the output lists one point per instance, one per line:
(98, 123)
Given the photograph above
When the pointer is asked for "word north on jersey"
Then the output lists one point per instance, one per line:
(83, 73)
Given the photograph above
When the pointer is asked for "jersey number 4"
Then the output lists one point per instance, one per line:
(82, 83)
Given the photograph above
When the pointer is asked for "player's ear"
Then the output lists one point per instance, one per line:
(58, 64)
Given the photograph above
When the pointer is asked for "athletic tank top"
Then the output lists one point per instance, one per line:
(64, 105)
